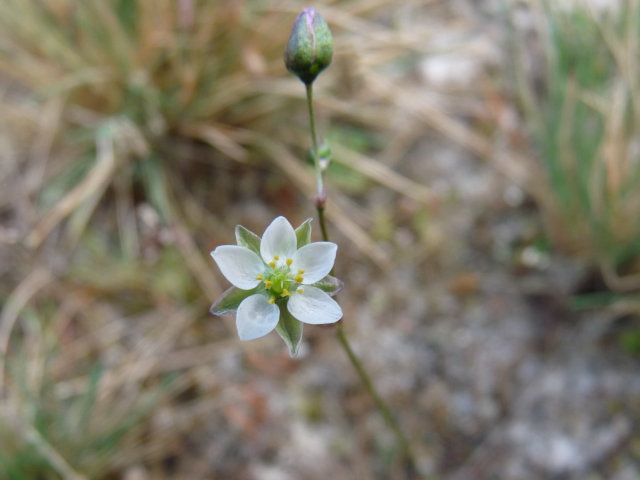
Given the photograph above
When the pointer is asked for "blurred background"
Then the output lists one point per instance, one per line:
(484, 193)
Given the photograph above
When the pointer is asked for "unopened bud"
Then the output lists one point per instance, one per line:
(310, 46)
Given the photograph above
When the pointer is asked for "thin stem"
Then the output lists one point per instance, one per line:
(321, 220)
(365, 378)
(320, 193)
(312, 119)
(382, 407)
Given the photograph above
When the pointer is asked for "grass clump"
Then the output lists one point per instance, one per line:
(150, 94)
(133, 76)
(583, 109)
(53, 426)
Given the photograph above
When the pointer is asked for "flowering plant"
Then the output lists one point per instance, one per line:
(279, 282)
(282, 280)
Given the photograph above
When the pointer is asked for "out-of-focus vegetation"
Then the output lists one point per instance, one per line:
(134, 75)
(138, 126)
(139, 122)
(581, 99)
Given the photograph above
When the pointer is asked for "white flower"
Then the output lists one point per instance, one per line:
(281, 274)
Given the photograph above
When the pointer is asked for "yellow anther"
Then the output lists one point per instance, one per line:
(300, 272)
(289, 261)
(300, 290)
(259, 277)
(285, 293)
(268, 283)
(298, 278)
(276, 257)
(271, 300)
(272, 264)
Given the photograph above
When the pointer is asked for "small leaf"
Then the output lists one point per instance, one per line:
(230, 300)
(303, 233)
(290, 329)
(330, 285)
(246, 238)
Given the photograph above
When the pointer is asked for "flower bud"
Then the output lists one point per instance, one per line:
(310, 46)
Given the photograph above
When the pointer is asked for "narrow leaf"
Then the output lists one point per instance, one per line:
(303, 233)
(230, 300)
(289, 329)
(330, 285)
(246, 238)
(154, 180)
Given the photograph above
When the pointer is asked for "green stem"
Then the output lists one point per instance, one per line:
(320, 193)
(321, 220)
(312, 119)
(383, 408)
(365, 378)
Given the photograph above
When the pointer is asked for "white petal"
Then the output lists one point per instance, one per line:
(279, 239)
(316, 259)
(256, 317)
(239, 265)
(314, 306)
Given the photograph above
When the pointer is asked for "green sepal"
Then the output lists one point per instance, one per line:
(330, 285)
(230, 300)
(303, 233)
(310, 47)
(246, 238)
(290, 329)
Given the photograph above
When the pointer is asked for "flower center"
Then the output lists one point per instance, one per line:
(279, 280)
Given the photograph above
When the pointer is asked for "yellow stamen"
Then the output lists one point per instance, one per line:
(298, 278)
(276, 257)
(285, 293)
(259, 277)
(300, 290)
(272, 264)
(268, 283)
(289, 261)
(271, 300)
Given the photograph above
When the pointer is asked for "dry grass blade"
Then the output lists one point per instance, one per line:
(382, 174)
(512, 167)
(614, 147)
(49, 126)
(95, 181)
(157, 364)
(218, 139)
(196, 263)
(16, 301)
